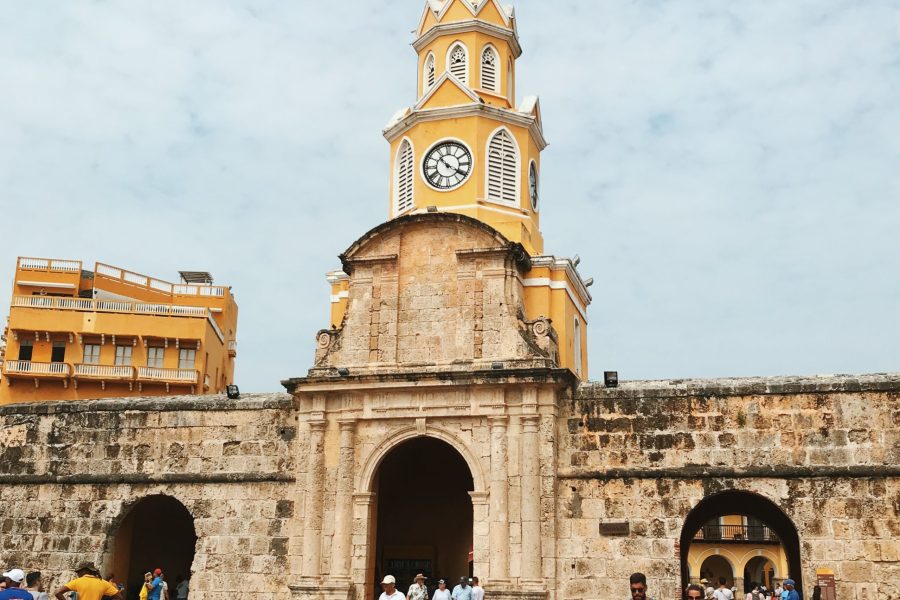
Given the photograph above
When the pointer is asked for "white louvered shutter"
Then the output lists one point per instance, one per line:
(489, 69)
(502, 169)
(429, 72)
(405, 178)
(459, 63)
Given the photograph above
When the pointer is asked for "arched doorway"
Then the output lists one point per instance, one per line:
(423, 513)
(715, 567)
(157, 532)
(759, 570)
(733, 519)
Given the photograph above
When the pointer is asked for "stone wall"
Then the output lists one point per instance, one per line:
(824, 450)
(70, 472)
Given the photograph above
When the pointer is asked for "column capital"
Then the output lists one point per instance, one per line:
(347, 423)
(530, 421)
(317, 424)
(498, 420)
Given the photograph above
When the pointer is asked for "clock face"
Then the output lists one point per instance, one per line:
(447, 165)
(533, 185)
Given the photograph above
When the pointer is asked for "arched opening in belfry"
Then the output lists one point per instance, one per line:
(729, 526)
(424, 514)
(156, 533)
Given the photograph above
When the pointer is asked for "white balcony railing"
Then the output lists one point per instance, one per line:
(144, 281)
(168, 375)
(27, 367)
(104, 372)
(48, 264)
(86, 304)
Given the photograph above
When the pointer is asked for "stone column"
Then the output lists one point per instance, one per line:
(499, 511)
(531, 501)
(312, 522)
(343, 508)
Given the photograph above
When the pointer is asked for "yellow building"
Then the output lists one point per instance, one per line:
(468, 146)
(76, 334)
(741, 549)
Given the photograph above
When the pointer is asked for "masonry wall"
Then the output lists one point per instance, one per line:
(70, 472)
(824, 450)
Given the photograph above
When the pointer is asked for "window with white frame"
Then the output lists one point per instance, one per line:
(458, 63)
(489, 69)
(123, 356)
(404, 177)
(186, 358)
(429, 74)
(91, 355)
(503, 169)
(156, 357)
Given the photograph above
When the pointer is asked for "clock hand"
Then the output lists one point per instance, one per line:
(454, 169)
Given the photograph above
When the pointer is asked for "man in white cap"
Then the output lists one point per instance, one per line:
(14, 591)
(389, 589)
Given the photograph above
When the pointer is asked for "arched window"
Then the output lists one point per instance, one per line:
(503, 169)
(489, 69)
(458, 63)
(428, 75)
(403, 182)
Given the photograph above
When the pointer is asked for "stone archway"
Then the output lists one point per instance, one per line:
(734, 502)
(716, 566)
(155, 532)
(423, 513)
(760, 570)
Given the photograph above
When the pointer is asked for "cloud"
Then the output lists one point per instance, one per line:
(727, 171)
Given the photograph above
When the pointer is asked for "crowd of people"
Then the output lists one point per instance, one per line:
(703, 591)
(468, 588)
(88, 585)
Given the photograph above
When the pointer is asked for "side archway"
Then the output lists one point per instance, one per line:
(734, 502)
(155, 532)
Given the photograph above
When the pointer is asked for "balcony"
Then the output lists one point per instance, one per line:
(36, 370)
(49, 265)
(116, 306)
(157, 285)
(103, 372)
(182, 376)
(737, 534)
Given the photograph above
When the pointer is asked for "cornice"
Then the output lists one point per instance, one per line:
(468, 110)
(565, 264)
(442, 29)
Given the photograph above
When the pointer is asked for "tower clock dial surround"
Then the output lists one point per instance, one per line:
(447, 165)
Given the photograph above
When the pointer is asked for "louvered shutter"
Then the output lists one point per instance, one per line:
(459, 63)
(429, 72)
(489, 69)
(405, 177)
(502, 169)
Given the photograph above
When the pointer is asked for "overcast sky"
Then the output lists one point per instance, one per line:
(729, 172)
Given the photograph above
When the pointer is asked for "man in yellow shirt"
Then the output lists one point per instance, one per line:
(89, 585)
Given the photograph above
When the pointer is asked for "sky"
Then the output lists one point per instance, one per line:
(729, 172)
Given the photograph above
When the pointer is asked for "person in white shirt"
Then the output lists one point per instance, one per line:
(477, 590)
(389, 589)
(182, 587)
(723, 593)
(442, 593)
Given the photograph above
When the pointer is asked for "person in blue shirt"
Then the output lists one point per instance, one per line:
(156, 586)
(14, 590)
(463, 591)
(792, 593)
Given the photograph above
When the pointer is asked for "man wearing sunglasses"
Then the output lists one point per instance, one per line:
(639, 587)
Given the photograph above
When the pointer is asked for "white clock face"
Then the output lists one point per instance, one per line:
(533, 185)
(447, 165)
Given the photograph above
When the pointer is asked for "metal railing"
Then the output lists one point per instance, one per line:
(49, 264)
(27, 367)
(170, 375)
(103, 371)
(736, 533)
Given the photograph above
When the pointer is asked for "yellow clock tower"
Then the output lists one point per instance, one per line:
(468, 147)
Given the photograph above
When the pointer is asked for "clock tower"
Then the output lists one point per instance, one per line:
(465, 161)
(468, 145)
